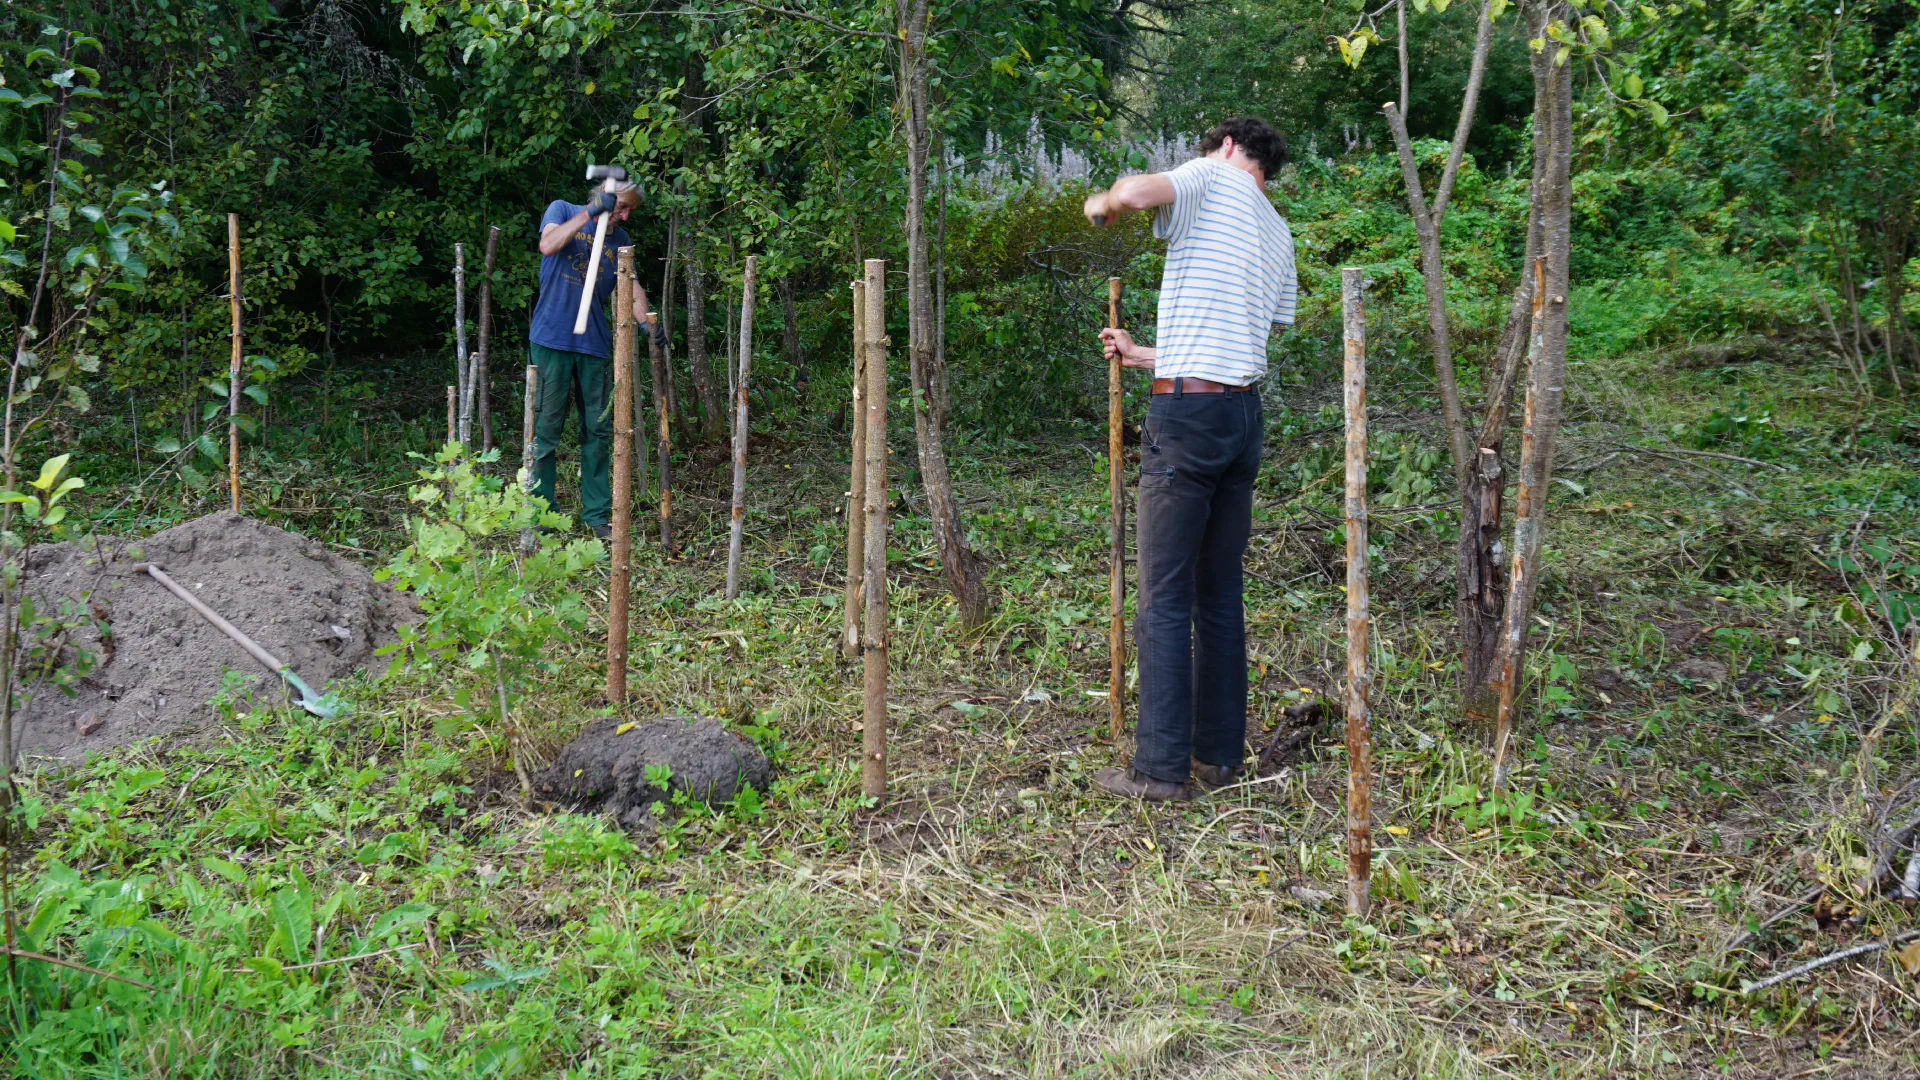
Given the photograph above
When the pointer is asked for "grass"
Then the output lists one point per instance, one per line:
(1707, 738)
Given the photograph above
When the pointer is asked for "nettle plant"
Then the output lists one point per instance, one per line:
(488, 610)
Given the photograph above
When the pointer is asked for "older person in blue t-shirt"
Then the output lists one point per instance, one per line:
(1229, 277)
(575, 373)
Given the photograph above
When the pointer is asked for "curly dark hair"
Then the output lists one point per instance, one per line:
(1255, 136)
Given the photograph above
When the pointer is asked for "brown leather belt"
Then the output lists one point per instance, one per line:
(1187, 384)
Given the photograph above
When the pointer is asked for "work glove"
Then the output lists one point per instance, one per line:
(659, 331)
(603, 202)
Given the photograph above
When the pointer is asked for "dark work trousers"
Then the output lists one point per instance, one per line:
(1198, 461)
(575, 382)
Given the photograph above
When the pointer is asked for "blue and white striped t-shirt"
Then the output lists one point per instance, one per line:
(1229, 275)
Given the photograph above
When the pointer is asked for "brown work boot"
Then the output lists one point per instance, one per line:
(1133, 784)
(1214, 777)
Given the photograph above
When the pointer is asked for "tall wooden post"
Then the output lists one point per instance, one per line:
(1117, 535)
(663, 409)
(740, 429)
(479, 376)
(874, 636)
(531, 405)
(462, 373)
(1359, 622)
(857, 484)
(233, 366)
(453, 413)
(623, 351)
(1526, 536)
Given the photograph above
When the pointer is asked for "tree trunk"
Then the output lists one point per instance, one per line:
(740, 429)
(1546, 386)
(790, 334)
(1359, 618)
(873, 637)
(482, 374)
(956, 557)
(462, 376)
(1481, 581)
(620, 577)
(662, 408)
(857, 486)
(711, 407)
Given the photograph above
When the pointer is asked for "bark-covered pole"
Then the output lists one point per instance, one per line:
(663, 409)
(453, 413)
(463, 375)
(857, 483)
(530, 405)
(740, 430)
(1359, 622)
(479, 391)
(1526, 540)
(617, 586)
(1117, 532)
(873, 636)
(233, 366)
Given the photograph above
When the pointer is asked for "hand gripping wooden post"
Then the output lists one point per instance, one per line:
(462, 373)
(857, 483)
(1359, 622)
(618, 585)
(662, 408)
(740, 430)
(874, 636)
(233, 366)
(1117, 535)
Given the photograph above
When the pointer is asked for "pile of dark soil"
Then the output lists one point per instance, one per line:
(604, 768)
(157, 663)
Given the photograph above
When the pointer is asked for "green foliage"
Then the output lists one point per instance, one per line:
(480, 608)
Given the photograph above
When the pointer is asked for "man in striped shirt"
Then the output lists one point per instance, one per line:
(1229, 277)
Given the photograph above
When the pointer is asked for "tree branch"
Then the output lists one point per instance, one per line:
(810, 17)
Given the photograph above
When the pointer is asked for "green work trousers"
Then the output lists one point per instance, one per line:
(575, 381)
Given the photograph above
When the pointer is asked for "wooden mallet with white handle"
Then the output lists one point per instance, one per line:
(610, 175)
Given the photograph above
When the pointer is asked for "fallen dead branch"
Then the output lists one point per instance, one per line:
(1831, 958)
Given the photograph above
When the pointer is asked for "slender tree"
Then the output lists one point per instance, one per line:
(960, 564)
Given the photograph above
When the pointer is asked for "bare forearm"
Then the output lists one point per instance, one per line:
(554, 238)
(1130, 193)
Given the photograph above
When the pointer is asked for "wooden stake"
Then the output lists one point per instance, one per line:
(462, 373)
(873, 643)
(480, 374)
(526, 448)
(1526, 539)
(622, 523)
(233, 366)
(740, 429)
(663, 409)
(857, 484)
(453, 413)
(1359, 623)
(1117, 534)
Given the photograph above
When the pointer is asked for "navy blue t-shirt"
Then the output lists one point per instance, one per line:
(563, 276)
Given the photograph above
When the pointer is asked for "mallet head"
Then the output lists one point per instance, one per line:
(606, 172)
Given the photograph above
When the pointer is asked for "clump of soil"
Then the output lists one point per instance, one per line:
(157, 663)
(604, 768)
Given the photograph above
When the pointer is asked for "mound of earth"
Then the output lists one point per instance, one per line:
(156, 663)
(604, 768)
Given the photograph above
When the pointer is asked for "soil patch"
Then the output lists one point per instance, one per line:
(605, 767)
(155, 663)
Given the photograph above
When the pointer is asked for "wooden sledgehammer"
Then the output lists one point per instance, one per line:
(609, 175)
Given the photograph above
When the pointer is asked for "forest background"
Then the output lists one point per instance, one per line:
(1745, 227)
